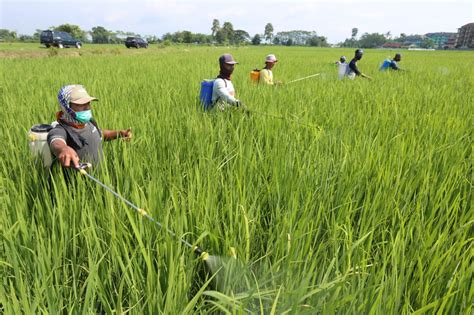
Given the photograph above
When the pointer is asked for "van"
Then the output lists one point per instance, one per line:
(58, 39)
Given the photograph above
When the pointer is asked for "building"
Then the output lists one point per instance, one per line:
(465, 37)
(413, 40)
(392, 45)
(441, 39)
(451, 43)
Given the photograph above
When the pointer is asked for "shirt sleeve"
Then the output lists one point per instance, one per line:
(265, 77)
(57, 133)
(353, 67)
(394, 65)
(222, 93)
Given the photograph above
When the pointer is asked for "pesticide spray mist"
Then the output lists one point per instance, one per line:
(230, 275)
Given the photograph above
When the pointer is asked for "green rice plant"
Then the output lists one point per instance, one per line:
(370, 213)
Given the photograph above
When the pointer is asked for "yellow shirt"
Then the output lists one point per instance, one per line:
(266, 76)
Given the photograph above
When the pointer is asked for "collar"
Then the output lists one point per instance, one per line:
(59, 118)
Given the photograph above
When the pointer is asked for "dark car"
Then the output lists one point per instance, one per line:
(59, 39)
(136, 42)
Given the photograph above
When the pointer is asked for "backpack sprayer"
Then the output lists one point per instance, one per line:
(197, 250)
(38, 144)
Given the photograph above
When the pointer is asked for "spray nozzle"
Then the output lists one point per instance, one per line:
(200, 253)
(83, 167)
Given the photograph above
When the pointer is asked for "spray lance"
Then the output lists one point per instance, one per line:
(82, 169)
(303, 78)
(311, 126)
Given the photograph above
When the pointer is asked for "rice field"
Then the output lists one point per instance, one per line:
(348, 197)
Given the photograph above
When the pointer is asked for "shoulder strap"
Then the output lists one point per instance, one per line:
(225, 82)
(94, 122)
(73, 140)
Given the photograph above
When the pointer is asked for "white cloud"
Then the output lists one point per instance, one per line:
(333, 19)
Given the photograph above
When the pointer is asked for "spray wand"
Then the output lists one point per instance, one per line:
(309, 76)
(197, 250)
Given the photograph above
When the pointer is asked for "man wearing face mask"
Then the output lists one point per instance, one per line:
(223, 92)
(77, 136)
(353, 70)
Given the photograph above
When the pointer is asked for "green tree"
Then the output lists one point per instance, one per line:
(298, 37)
(241, 37)
(37, 34)
(187, 37)
(268, 34)
(402, 38)
(215, 27)
(74, 30)
(352, 42)
(7, 35)
(228, 30)
(318, 41)
(256, 40)
(100, 35)
(372, 40)
(427, 43)
(354, 32)
(152, 39)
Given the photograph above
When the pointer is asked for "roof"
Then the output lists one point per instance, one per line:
(468, 25)
(441, 34)
(392, 45)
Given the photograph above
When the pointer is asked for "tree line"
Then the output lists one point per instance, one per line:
(224, 34)
(374, 40)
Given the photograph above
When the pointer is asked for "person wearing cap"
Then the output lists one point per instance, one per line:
(353, 69)
(223, 92)
(76, 136)
(266, 74)
(391, 64)
(342, 64)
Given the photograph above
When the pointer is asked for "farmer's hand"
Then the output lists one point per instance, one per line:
(126, 135)
(68, 156)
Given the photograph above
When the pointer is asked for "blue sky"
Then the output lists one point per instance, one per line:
(333, 19)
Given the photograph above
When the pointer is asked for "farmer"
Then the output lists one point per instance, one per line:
(77, 137)
(266, 74)
(223, 93)
(391, 64)
(342, 64)
(353, 69)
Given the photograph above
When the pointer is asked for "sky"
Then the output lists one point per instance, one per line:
(333, 19)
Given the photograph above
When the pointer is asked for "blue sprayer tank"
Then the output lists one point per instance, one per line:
(385, 65)
(206, 93)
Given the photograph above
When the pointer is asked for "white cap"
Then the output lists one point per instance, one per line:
(271, 58)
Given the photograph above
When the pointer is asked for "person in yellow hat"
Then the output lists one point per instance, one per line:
(266, 74)
(77, 137)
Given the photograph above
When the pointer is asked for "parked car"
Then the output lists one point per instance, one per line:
(58, 39)
(136, 42)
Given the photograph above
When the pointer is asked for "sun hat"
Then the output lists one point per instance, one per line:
(271, 58)
(80, 96)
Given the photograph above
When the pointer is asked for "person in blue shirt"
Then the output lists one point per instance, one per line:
(353, 70)
(391, 64)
